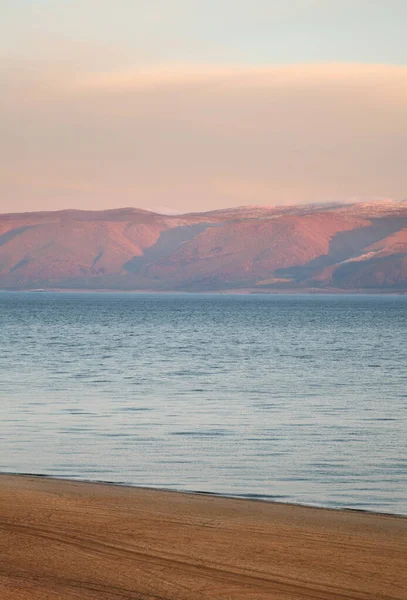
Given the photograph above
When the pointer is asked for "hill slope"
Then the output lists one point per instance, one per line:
(339, 247)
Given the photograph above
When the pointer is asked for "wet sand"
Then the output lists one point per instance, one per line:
(70, 540)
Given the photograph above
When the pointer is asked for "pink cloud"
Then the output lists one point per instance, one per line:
(196, 138)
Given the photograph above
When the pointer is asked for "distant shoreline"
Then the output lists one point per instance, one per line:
(66, 538)
(231, 292)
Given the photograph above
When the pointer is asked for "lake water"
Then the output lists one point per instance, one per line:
(290, 398)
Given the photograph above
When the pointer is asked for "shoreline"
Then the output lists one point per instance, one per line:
(70, 539)
(237, 497)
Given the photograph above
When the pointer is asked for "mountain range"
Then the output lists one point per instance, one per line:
(325, 247)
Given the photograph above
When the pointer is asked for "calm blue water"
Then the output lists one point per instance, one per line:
(293, 398)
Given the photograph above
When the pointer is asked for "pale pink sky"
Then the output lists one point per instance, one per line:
(183, 122)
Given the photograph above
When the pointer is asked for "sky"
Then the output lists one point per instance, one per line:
(180, 105)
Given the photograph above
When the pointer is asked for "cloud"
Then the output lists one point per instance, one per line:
(202, 137)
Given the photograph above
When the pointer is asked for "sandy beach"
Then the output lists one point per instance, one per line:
(71, 540)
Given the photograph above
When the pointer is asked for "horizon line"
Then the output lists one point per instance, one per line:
(346, 202)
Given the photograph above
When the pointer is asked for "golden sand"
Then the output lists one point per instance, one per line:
(70, 540)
